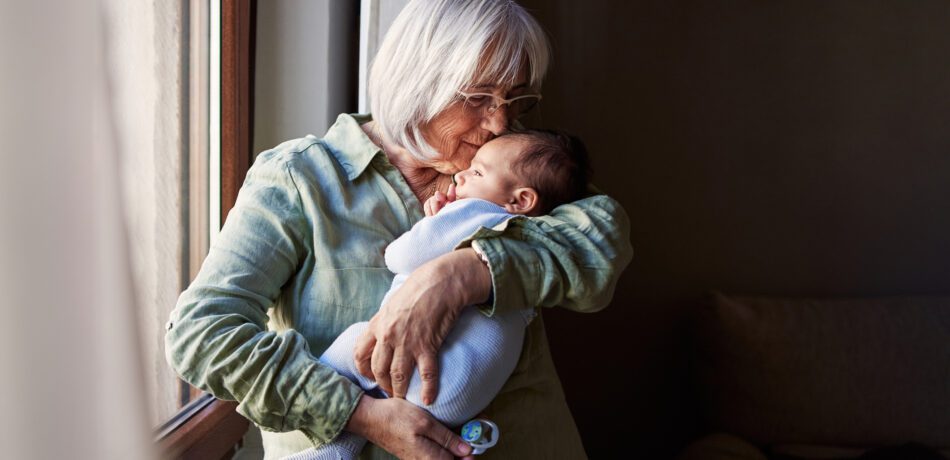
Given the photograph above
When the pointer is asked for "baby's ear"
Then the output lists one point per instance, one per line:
(523, 201)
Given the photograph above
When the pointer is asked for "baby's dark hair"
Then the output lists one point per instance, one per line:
(555, 164)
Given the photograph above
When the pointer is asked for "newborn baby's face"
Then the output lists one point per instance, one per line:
(490, 176)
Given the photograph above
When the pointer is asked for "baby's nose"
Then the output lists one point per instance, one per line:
(458, 177)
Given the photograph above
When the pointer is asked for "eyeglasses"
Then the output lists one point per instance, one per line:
(517, 106)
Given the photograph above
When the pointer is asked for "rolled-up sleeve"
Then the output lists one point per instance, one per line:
(571, 258)
(217, 338)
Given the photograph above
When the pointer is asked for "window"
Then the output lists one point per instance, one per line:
(158, 64)
(216, 116)
(166, 94)
(218, 161)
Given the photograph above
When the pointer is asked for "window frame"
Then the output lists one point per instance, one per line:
(208, 427)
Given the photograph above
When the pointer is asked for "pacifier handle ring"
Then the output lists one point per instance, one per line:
(481, 444)
(494, 434)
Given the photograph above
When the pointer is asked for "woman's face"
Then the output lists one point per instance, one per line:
(459, 130)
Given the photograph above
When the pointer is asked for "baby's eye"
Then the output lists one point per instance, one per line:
(477, 173)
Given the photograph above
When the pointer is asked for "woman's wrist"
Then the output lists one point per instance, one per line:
(464, 273)
(360, 421)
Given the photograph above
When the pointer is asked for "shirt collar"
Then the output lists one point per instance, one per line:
(350, 145)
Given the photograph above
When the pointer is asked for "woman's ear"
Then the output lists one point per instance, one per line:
(523, 201)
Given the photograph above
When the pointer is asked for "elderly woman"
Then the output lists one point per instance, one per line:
(307, 234)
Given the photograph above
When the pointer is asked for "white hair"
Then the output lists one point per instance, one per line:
(435, 48)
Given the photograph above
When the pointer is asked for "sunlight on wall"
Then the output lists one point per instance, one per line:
(146, 63)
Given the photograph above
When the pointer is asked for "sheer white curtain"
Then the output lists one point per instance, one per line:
(71, 386)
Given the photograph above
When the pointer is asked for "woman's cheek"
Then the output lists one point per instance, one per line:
(465, 155)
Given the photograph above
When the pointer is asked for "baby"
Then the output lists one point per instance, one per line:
(526, 173)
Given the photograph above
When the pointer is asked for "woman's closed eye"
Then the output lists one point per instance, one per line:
(478, 100)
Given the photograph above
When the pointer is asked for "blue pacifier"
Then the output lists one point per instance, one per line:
(480, 434)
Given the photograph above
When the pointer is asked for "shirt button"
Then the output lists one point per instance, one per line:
(169, 325)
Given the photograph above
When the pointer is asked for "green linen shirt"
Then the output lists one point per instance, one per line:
(300, 258)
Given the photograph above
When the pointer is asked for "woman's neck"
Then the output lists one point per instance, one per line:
(421, 177)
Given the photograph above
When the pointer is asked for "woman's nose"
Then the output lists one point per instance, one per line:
(497, 121)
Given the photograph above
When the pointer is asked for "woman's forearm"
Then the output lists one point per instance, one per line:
(463, 272)
(217, 337)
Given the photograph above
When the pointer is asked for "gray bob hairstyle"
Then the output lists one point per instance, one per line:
(436, 48)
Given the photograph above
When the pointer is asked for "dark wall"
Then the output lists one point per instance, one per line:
(782, 148)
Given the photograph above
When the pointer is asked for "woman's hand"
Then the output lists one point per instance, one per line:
(409, 329)
(405, 430)
(436, 202)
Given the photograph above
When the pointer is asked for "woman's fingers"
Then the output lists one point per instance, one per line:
(416, 319)
(382, 360)
(363, 352)
(402, 367)
(446, 439)
(429, 372)
(400, 373)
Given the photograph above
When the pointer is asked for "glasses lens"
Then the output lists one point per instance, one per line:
(524, 106)
(477, 100)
